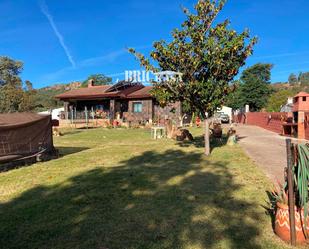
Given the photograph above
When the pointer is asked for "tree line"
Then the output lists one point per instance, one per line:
(19, 96)
(301, 79)
(15, 95)
(254, 89)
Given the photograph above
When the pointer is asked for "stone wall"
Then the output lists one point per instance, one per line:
(171, 111)
(145, 116)
(152, 112)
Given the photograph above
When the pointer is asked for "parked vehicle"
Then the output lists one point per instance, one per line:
(222, 117)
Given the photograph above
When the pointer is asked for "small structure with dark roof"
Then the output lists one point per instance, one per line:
(24, 135)
(124, 101)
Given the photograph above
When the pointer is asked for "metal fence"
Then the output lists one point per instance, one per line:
(84, 115)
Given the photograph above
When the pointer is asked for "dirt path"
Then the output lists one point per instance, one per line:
(266, 148)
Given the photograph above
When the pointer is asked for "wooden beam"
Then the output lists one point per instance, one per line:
(291, 192)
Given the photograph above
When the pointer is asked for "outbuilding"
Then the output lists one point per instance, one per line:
(24, 135)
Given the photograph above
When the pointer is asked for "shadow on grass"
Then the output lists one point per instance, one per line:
(199, 142)
(70, 131)
(29, 161)
(156, 200)
(87, 128)
(270, 209)
(65, 151)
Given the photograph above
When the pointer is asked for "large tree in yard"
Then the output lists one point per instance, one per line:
(209, 57)
(255, 86)
(11, 92)
(13, 97)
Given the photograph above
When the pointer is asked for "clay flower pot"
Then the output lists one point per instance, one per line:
(282, 223)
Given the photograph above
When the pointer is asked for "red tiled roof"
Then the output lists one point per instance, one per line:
(142, 93)
(127, 91)
(302, 94)
(95, 91)
(135, 91)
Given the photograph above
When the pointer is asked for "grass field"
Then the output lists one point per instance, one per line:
(119, 189)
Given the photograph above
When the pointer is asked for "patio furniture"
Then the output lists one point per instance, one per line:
(158, 132)
(290, 129)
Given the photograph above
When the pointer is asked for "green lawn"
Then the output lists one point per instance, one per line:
(120, 189)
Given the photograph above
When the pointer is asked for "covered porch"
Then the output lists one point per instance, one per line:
(109, 109)
(124, 102)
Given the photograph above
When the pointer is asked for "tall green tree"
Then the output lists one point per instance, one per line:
(255, 86)
(208, 55)
(234, 97)
(278, 99)
(28, 99)
(304, 79)
(11, 91)
(13, 97)
(292, 79)
(99, 80)
(299, 76)
(10, 98)
(9, 71)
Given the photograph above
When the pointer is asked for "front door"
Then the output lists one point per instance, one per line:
(121, 106)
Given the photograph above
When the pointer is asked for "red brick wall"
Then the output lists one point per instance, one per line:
(268, 120)
(239, 118)
(307, 125)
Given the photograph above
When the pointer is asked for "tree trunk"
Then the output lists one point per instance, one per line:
(206, 137)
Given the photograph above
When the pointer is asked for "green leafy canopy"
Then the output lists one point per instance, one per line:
(209, 57)
(13, 95)
(98, 80)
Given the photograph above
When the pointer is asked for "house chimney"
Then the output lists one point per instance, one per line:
(90, 83)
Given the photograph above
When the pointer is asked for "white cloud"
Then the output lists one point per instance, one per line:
(50, 19)
(102, 59)
(90, 62)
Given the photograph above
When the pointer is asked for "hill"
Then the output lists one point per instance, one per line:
(45, 97)
(281, 92)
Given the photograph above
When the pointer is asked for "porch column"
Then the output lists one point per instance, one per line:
(301, 125)
(66, 110)
(112, 109)
(150, 111)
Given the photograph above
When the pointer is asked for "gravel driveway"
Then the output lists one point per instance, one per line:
(267, 149)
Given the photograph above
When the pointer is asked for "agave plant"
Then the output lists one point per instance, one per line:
(301, 172)
(279, 194)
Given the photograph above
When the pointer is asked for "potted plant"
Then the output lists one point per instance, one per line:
(282, 221)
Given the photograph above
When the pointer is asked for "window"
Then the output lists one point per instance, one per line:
(137, 107)
(304, 99)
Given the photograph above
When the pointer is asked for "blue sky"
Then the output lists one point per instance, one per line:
(66, 40)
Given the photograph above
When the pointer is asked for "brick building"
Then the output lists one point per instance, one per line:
(124, 101)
